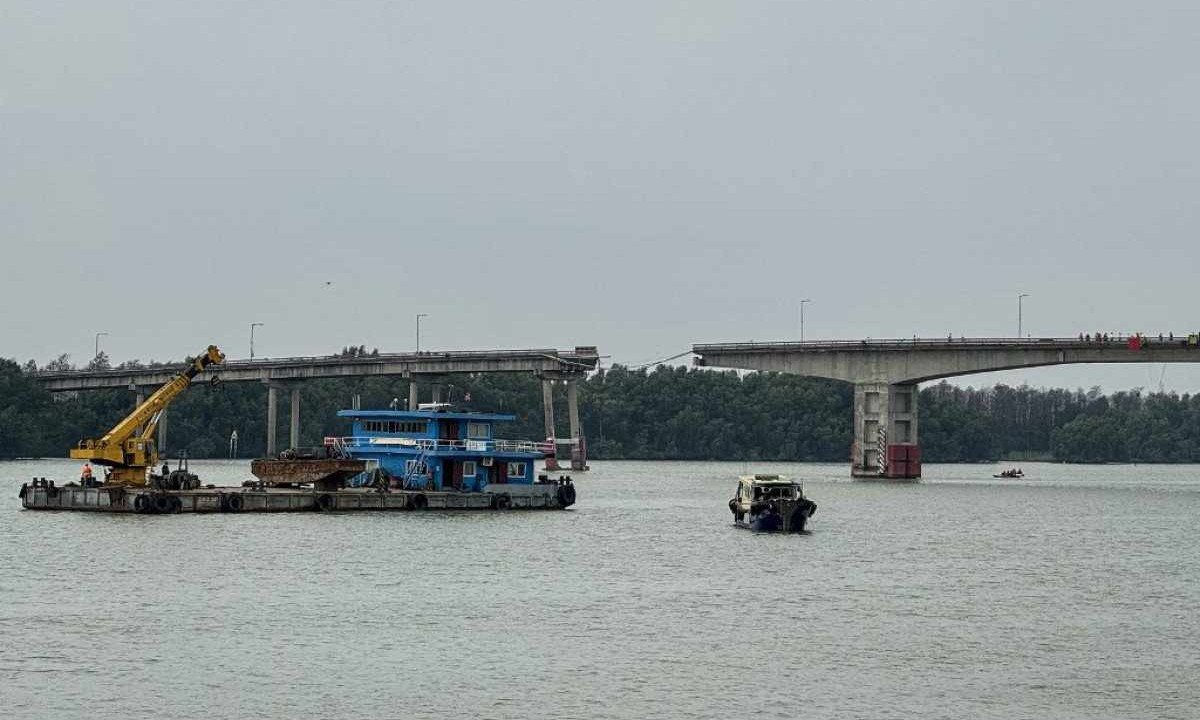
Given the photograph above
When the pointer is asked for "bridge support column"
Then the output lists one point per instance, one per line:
(578, 458)
(272, 417)
(162, 433)
(412, 394)
(548, 415)
(295, 419)
(885, 416)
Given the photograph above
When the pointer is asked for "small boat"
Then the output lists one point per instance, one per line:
(1010, 474)
(771, 503)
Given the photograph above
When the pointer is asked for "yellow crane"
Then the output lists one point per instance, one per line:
(129, 448)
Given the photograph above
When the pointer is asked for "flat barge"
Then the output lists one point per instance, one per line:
(44, 495)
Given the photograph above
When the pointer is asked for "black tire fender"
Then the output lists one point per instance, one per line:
(176, 505)
(502, 501)
(162, 504)
(24, 491)
(234, 502)
(418, 501)
(566, 495)
(326, 502)
(142, 503)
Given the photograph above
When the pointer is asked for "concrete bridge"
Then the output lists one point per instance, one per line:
(886, 373)
(429, 368)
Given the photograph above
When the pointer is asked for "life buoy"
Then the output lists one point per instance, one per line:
(418, 501)
(502, 501)
(326, 502)
(234, 502)
(141, 503)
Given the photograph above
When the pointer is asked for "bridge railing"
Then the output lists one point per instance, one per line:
(444, 445)
(950, 342)
(563, 357)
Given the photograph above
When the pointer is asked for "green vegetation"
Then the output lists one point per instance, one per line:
(666, 413)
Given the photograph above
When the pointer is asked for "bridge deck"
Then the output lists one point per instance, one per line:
(561, 362)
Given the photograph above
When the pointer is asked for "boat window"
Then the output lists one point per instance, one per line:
(516, 469)
(468, 468)
(479, 430)
(406, 427)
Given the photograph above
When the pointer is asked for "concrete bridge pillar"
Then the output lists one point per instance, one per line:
(885, 415)
(413, 398)
(578, 460)
(272, 417)
(548, 416)
(294, 435)
(162, 433)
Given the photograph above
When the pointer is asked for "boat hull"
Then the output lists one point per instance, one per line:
(241, 499)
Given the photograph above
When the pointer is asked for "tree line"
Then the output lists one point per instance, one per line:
(672, 413)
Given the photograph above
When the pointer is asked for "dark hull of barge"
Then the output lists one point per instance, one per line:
(144, 500)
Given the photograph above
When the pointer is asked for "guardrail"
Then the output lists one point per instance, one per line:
(563, 357)
(1186, 340)
(444, 445)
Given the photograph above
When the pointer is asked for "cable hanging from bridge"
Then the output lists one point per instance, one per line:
(663, 360)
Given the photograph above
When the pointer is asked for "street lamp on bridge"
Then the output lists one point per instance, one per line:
(802, 304)
(252, 326)
(96, 354)
(419, 316)
(1020, 298)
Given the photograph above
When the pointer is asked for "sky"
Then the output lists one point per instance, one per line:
(639, 176)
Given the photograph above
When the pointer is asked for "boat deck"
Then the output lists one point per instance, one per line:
(144, 500)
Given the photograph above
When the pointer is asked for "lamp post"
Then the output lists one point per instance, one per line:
(419, 316)
(96, 354)
(252, 326)
(1020, 319)
(802, 304)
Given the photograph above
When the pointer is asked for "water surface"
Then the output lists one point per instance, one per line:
(1069, 594)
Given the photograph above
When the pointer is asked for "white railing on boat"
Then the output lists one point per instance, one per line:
(446, 445)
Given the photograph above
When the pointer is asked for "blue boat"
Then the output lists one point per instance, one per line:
(439, 450)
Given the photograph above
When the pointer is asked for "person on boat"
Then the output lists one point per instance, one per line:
(166, 470)
(85, 477)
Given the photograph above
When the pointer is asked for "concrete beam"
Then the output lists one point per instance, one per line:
(577, 362)
(897, 362)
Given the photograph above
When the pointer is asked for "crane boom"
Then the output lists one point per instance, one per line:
(130, 452)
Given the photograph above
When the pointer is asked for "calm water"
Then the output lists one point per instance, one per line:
(1071, 594)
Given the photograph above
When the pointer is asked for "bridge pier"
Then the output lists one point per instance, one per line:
(885, 416)
(273, 388)
(272, 417)
(162, 433)
(578, 459)
(294, 435)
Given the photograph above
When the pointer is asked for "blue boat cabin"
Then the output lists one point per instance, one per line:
(440, 450)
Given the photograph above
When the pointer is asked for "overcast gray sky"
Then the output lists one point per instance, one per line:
(634, 175)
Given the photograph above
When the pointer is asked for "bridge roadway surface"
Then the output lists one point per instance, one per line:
(885, 374)
(432, 367)
(561, 363)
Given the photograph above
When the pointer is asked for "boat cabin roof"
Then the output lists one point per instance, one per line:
(766, 480)
(423, 415)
